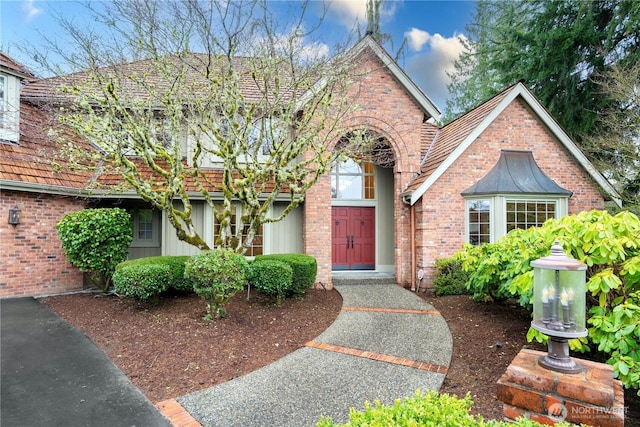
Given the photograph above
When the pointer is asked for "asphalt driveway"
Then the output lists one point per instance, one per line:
(52, 375)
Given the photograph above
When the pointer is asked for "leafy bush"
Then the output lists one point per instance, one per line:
(422, 410)
(450, 278)
(175, 265)
(96, 240)
(609, 246)
(216, 275)
(305, 269)
(143, 282)
(271, 277)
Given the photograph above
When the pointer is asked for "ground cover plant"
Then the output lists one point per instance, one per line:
(428, 409)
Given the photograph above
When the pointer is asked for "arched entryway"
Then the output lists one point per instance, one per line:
(362, 205)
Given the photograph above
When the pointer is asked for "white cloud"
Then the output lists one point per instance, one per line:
(348, 13)
(30, 10)
(416, 39)
(429, 68)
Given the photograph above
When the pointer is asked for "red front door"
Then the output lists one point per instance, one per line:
(353, 238)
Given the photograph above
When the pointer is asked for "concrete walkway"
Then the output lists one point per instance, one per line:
(385, 344)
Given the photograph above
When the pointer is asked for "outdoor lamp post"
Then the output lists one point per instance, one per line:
(559, 290)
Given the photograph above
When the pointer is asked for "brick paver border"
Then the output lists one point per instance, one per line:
(176, 414)
(381, 357)
(179, 417)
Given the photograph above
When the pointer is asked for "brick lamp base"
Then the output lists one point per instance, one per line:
(591, 396)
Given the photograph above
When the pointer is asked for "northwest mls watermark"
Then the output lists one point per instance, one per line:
(559, 412)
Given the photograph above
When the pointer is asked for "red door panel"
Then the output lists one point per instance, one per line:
(353, 238)
(339, 238)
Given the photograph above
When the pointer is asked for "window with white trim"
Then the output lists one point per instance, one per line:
(479, 221)
(529, 213)
(3, 100)
(352, 179)
(9, 108)
(491, 217)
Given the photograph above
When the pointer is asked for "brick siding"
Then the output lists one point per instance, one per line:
(388, 110)
(33, 262)
(441, 223)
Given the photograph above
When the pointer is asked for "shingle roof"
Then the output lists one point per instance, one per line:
(452, 135)
(148, 78)
(9, 64)
(35, 159)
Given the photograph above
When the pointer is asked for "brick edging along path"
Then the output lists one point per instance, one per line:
(179, 417)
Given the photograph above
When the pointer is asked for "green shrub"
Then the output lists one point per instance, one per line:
(609, 246)
(175, 265)
(143, 282)
(216, 275)
(428, 409)
(271, 277)
(450, 278)
(305, 269)
(96, 240)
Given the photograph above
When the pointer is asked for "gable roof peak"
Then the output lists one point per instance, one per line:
(368, 42)
(458, 135)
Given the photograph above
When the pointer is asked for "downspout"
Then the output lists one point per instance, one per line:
(406, 199)
(412, 209)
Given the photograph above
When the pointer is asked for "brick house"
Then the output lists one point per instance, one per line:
(503, 165)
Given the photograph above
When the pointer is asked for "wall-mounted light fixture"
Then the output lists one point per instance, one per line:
(14, 216)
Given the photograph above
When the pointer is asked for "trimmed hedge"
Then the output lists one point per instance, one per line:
(305, 269)
(143, 282)
(96, 241)
(271, 277)
(175, 265)
(217, 275)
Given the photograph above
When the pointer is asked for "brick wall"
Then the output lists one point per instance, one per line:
(31, 258)
(386, 109)
(442, 223)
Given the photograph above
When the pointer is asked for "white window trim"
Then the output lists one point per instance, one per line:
(10, 125)
(498, 221)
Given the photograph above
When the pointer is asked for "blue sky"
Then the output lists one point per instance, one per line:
(432, 29)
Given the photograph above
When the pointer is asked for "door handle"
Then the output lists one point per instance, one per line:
(352, 240)
(348, 241)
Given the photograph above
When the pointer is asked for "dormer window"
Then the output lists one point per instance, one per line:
(9, 111)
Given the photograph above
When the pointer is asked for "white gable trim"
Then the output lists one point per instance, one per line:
(519, 90)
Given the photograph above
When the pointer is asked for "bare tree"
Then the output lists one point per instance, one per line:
(615, 147)
(204, 99)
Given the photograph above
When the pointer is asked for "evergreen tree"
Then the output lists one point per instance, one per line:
(555, 47)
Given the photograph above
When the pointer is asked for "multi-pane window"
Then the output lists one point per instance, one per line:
(528, 213)
(351, 179)
(145, 224)
(257, 244)
(479, 221)
(146, 227)
(492, 217)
